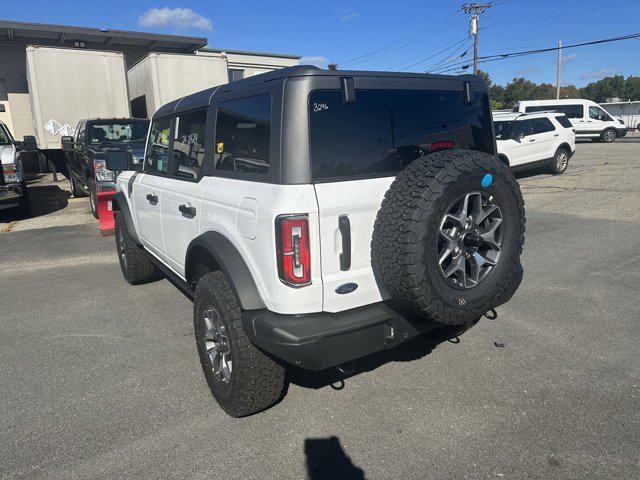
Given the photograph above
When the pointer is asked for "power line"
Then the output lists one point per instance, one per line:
(457, 44)
(452, 58)
(504, 56)
(382, 50)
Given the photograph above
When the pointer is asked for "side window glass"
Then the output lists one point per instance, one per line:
(157, 157)
(243, 130)
(542, 125)
(80, 137)
(188, 145)
(522, 129)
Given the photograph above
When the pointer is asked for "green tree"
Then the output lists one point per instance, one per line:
(632, 88)
(604, 88)
(519, 89)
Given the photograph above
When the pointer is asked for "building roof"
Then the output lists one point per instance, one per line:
(246, 52)
(64, 34)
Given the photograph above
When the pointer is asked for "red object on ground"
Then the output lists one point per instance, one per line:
(105, 213)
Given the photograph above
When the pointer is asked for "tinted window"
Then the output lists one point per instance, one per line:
(188, 146)
(117, 132)
(243, 128)
(542, 125)
(157, 158)
(502, 129)
(4, 137)
(598, 114)
(522, 128)
(564, 121)
(385, 130)
(570, 111)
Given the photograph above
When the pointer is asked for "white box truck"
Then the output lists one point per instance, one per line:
(67, 85)
(162, 77)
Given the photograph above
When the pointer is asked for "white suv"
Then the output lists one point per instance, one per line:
(316, 217)
(534, 140)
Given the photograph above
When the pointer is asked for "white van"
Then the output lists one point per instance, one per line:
(588, 118)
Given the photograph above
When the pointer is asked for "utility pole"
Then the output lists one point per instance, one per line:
(475, 9)
(559, 69)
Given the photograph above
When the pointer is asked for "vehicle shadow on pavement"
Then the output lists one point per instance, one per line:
(326, 459)
(411, 350)
(45, 199)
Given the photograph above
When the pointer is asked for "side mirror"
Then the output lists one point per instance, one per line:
(67, 143)
(119, 160)
(519, 135)
(2, 108)
(29, 143)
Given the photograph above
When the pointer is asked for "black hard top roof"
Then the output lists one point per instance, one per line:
(203, 98)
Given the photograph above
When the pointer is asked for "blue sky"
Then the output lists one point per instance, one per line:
(340, 31)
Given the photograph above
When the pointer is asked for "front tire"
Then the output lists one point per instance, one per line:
(242, 379)
(559, 162)
(609, 135)
(76, 190)
(93, 201)
(136, 266)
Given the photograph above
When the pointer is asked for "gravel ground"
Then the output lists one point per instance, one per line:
(99, 379)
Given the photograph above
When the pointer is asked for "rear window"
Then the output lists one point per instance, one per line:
(385, 130)
(564, 121)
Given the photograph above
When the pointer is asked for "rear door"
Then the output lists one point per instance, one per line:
(523, 147)
(147, 190)
(546, 137)
(357, 148)
(183, 189)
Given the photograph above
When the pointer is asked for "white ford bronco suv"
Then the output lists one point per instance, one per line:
(316, 217)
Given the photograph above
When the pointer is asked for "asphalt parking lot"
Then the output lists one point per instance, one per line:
(99, 379)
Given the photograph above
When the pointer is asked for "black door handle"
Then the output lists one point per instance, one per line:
(344, 225)
(186, 210)
(153, 199)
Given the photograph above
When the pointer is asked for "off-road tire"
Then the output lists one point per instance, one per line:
(76, 190)
(93, 202)
(404, 244)
(257, 381)
(136, 266)
(554, 164)
(609, 135)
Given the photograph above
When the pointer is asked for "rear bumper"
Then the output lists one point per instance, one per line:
(317, 341)
(321, 340)
(10, 195)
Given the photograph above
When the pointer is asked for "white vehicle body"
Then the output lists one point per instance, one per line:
(589, 119)
(12, 185)
(527, 140)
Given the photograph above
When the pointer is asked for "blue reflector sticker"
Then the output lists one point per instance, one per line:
(486, 180)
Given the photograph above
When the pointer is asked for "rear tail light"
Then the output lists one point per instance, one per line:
(292, 244)
(444, 145)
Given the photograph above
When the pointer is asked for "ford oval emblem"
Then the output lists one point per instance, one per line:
(346, 288)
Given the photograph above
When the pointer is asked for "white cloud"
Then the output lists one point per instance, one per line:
(570, 58)
(347, 14)
(180, 18)
(600, 73)
(316, 60)
(523, 71)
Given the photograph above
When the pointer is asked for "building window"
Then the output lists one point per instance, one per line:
(3, 90)
(235, 74)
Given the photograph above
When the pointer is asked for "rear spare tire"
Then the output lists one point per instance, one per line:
(449, 234)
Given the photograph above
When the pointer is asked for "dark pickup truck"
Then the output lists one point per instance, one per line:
(85, 153)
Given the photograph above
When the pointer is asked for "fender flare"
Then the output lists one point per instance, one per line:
(217, 252)
(120, 203)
